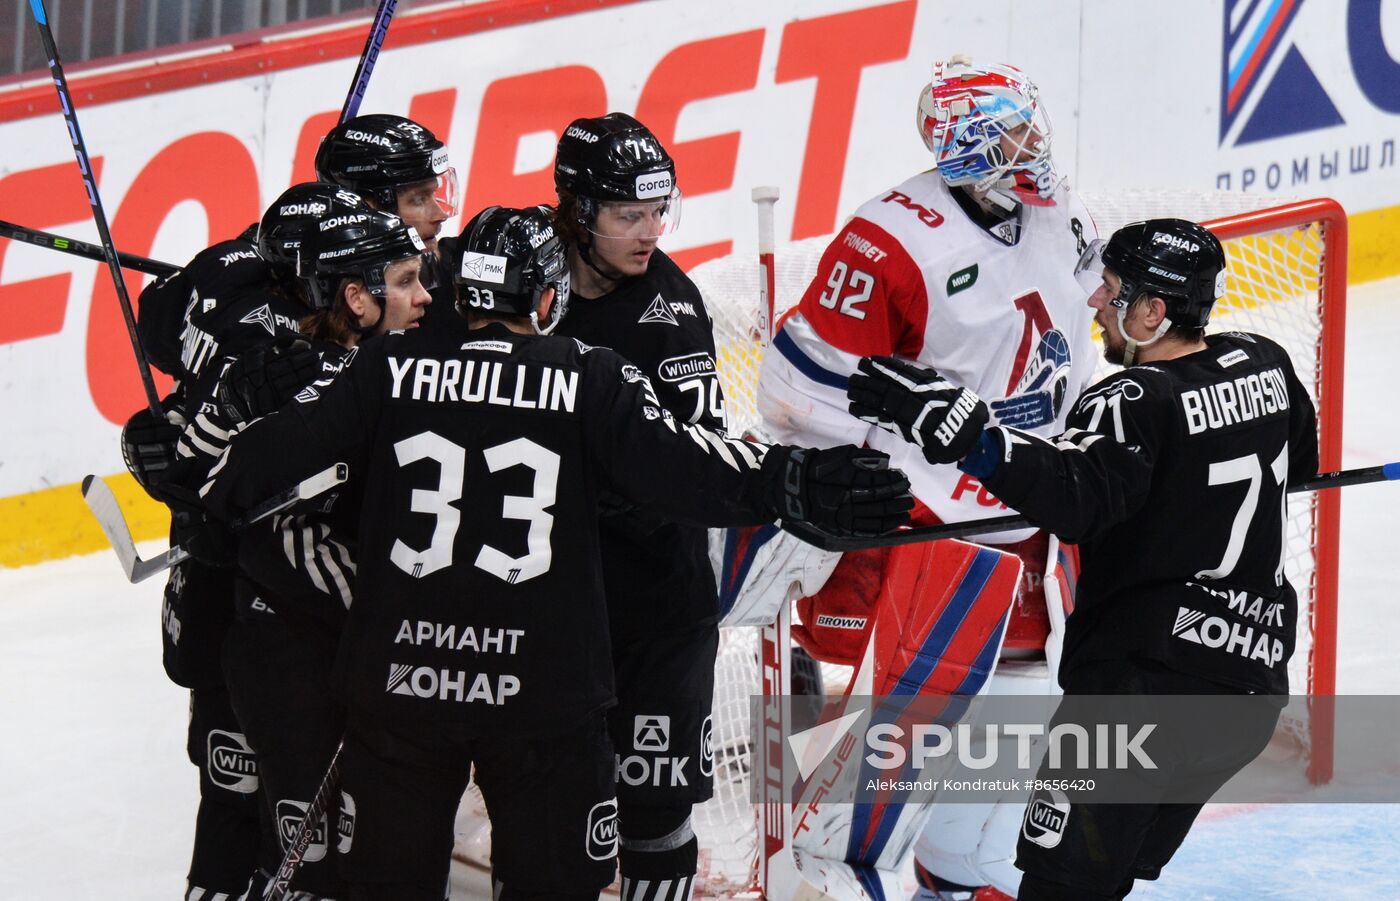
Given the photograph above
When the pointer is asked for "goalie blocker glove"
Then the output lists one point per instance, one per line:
(842, 490)
(919, 404)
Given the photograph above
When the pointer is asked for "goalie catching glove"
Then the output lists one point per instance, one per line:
(841, 490)
(918, 404)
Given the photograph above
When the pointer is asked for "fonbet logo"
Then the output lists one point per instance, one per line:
(1046, 818)
(653, 184)
(602, 830)
(231, 763)
(289, 816)
(484, 267)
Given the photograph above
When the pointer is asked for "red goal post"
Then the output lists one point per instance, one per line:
(1287, 265)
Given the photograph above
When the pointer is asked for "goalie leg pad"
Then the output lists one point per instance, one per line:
(756, 569)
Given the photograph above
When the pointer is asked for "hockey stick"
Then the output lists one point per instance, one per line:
(109, 250)
(296, 851)
(1325, 480)
(103, 504)
(84, 249)
(765, 196)
(378, 29)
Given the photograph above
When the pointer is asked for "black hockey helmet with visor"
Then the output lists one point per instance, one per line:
(1174, 259)
(617, 161)
(360, 245)
(506, 259)
(379, 153)
(295, 212)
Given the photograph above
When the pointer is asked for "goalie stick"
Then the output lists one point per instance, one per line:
(109, 250)
(281, 883)
(1339, 479)
(103, 504)
(378, 29)
(84, 249)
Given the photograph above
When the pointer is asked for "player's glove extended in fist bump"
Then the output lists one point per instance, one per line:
(919, 404)
(842, 490)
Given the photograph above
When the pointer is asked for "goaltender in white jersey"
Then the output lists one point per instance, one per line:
(970, 267)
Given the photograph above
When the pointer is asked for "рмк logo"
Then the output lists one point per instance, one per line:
(1264, 79)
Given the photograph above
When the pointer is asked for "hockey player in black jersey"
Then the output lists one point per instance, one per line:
(617, 196)
(400, 167)
(1172, 478)
(233, 299)
(479, 634)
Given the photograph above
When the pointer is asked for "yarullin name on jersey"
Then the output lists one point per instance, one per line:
(452, 637)
(435, 684)
(1225, 404)
(484, 382)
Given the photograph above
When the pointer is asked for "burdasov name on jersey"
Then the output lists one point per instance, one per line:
(1227, 403)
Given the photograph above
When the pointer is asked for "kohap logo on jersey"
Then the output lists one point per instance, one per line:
(1217, 632)
(231, 763)
(537, 240)
(290, 813)
(433, 684)
(602, 830)
(653, 184)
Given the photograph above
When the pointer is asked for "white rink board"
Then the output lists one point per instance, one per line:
(1129, 111)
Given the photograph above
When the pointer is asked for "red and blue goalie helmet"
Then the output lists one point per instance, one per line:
(988, 130)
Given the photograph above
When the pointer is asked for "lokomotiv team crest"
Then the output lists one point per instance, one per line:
(1265, 81)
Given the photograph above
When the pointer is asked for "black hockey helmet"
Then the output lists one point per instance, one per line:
(1175, 259)
(614, 158)
(375, 154)
(297, 210)
(359, 245)
(505, 259)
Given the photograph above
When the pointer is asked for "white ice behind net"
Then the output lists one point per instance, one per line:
(1274, 289)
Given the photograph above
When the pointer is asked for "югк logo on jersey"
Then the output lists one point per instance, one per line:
(651, 733)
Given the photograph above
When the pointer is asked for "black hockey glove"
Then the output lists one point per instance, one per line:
(842, 490)
(265, 378)
(208, 540)
(148, 447)
(919, 404)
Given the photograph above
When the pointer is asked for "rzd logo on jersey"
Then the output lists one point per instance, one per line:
(602, 830)
(231, 764)
(1045, 820)
(289, 816)
(1217, 632)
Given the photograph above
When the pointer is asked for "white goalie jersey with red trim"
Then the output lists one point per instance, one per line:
(912, 275)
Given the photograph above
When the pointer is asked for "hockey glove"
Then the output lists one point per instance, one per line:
(148, 447)
(919, 404)
(842, 490)
(265, 378)
(208, 540)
